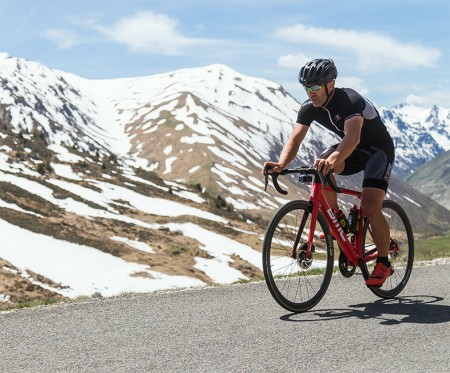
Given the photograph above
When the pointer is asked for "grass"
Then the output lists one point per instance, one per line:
(247, 281)
(432, 248)
(45, 302)
(30, 304)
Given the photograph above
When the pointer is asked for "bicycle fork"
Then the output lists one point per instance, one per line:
(305, 251)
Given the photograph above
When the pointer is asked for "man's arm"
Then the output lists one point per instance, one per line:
(352, 130)
(290, 149)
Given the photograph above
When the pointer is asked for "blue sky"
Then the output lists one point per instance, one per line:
(391, 51)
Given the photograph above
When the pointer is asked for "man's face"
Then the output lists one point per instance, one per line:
(318, 94)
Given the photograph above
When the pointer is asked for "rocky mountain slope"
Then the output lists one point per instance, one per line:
(433, 179)
(149, 183)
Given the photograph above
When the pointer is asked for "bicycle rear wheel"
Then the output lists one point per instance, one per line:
(401, 251)
(295, 283)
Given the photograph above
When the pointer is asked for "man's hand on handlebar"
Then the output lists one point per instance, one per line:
(272, 167)
(323, 165)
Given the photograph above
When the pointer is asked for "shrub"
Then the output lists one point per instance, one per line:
(40, 167)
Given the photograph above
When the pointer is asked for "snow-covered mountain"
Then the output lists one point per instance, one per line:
(33, 96)
(419, 134)
(154, 182)
(154, 120)
(210, 126)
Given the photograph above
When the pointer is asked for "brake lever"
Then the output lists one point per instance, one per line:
(326, 179)
(274, 180)
(266, 177)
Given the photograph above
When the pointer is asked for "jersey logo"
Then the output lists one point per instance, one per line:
(337, 117)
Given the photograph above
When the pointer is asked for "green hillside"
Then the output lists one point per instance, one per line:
(436, 247)
(433, 179)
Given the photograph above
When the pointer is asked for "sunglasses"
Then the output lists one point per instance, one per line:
(314, 88)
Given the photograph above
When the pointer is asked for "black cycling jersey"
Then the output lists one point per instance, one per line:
(344, 104)
(375, 152)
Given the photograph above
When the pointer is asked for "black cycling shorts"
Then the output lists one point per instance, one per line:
(374, 162)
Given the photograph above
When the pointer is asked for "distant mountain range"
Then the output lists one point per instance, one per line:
(419, 135)
(77, 156)
(433, 179)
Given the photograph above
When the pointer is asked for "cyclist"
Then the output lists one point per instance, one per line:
(365, 145)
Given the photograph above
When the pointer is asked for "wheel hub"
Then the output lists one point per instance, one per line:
(300, 255)
(393, 249)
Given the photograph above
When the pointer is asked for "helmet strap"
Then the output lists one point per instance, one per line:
(329, 94)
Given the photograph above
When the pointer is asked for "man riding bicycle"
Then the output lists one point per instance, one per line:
(365, 145)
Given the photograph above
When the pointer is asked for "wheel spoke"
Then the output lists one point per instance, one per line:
(294, 287)
(402, 255)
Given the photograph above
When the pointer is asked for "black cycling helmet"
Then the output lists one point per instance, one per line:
(318, 71)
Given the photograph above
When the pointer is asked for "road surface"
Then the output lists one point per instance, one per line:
(238, 328)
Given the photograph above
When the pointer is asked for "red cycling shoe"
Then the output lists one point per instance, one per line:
(379, 275)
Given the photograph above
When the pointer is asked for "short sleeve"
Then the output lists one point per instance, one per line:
(304, 115)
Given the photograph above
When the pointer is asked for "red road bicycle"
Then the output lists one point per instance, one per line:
(298, 249)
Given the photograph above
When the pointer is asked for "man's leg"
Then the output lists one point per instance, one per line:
(371, 202)
(331, 196)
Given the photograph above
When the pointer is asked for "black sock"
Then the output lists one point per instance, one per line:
(384, 260)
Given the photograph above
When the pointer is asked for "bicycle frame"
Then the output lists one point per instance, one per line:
(351, 251)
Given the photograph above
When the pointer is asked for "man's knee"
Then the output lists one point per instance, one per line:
(370, 209)
(372, 201)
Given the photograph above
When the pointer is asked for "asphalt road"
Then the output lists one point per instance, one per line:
(238, 328)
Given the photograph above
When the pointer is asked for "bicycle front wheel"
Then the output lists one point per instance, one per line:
(296, 282)
(401, 250)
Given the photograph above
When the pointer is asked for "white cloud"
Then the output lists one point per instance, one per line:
(438, 97)
(373, 50)
(293, 60)
(352, 82)
(149, 32)
(62, 38)
(417, 101)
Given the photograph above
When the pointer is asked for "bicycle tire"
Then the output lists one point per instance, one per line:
(294, 288)
(401, 254)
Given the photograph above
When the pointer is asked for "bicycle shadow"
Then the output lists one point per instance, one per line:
(419, 309)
